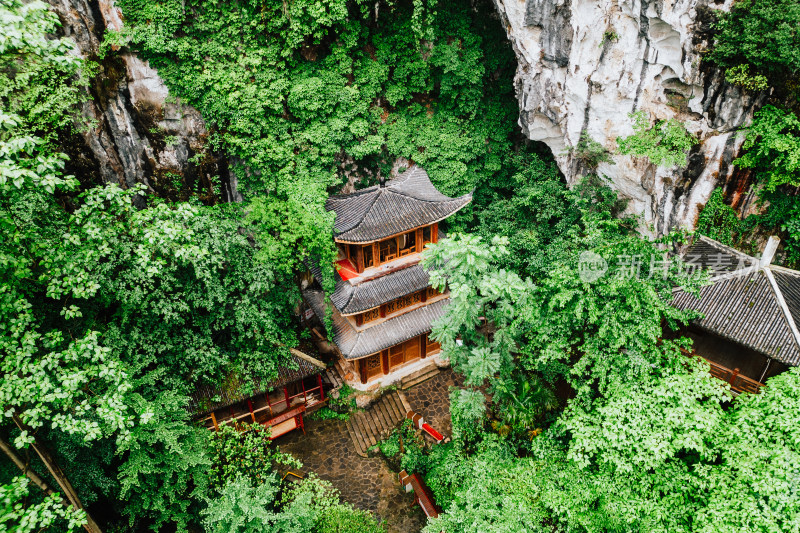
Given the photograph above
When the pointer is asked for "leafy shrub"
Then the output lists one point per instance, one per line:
(772, 147)
(720, 221)
(247, 454)
(761, 33)
(665, 143)
(521, 404)
(345, 519)
(590, 153)
(740, 75)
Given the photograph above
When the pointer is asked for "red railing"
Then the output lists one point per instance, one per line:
(739, 383)
(273, 411)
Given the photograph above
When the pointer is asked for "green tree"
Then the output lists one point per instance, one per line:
(17, 517)
(751, 485)
(480, 293)
(165, 461)
(761, 33)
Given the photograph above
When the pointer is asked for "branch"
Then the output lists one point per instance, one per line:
(33, 476)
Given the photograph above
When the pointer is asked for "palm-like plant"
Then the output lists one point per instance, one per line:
(523, 400)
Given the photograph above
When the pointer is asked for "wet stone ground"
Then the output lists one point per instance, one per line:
(431, 399)
(327, 450)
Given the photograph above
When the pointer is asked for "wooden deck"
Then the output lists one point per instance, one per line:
(375, 423)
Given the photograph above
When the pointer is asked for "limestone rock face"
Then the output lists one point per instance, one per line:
(584, 65)
(140, 134)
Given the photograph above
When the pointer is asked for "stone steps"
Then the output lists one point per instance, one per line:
(333, 377)
(376, 422)
(423, 374)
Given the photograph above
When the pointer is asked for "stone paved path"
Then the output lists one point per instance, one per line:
(431, 399)
(367, 482)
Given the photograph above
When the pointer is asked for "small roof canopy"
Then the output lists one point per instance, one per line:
(208, 398)
(404, 203)
(751, 302)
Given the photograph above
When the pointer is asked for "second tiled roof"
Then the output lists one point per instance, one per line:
(350, 299)
(355, 344)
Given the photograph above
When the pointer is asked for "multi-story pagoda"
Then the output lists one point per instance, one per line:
(383, 305)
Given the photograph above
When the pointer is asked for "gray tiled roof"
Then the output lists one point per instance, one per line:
(207, 398)
(350, 299)
(789, 284)
(406, 202)
(355, 344)
(709, 254)
(755, 307)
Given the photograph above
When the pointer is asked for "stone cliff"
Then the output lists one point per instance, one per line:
(139, 134)
(584, 65)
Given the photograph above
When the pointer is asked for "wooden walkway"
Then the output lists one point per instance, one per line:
(376, 422)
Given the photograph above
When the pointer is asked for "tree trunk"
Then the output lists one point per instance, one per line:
(55, 470)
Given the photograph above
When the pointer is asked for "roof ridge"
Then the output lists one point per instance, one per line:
(787, 314)
(306, 357)
(725, 247)
(359, 192)
(783, 269)
(735, 273)
(403, 176)
(449, 198)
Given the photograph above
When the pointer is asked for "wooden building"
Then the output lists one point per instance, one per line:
(749, 331)
(279, 404)
(383, 305)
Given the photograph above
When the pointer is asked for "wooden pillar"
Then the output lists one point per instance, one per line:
(269, 404)
(424, 297)
(435, 233)
(286, 395)
(419, 240)
(305, 398)
(360, 319)
(362, 369)
(375, 256)
(359, 260)
(252, 414)
(423, 344)
(321, 390)
(734, 375)
(383, 311)
(214, 421)
(385, 361)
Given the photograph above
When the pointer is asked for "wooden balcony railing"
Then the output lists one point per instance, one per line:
(739, 383)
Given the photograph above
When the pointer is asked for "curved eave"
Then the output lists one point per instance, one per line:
(342, 238)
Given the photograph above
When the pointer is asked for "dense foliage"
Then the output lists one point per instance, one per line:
(773, 148)
(113, 306)
(761, 33)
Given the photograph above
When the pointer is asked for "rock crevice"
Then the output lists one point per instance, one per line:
(140, 134)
